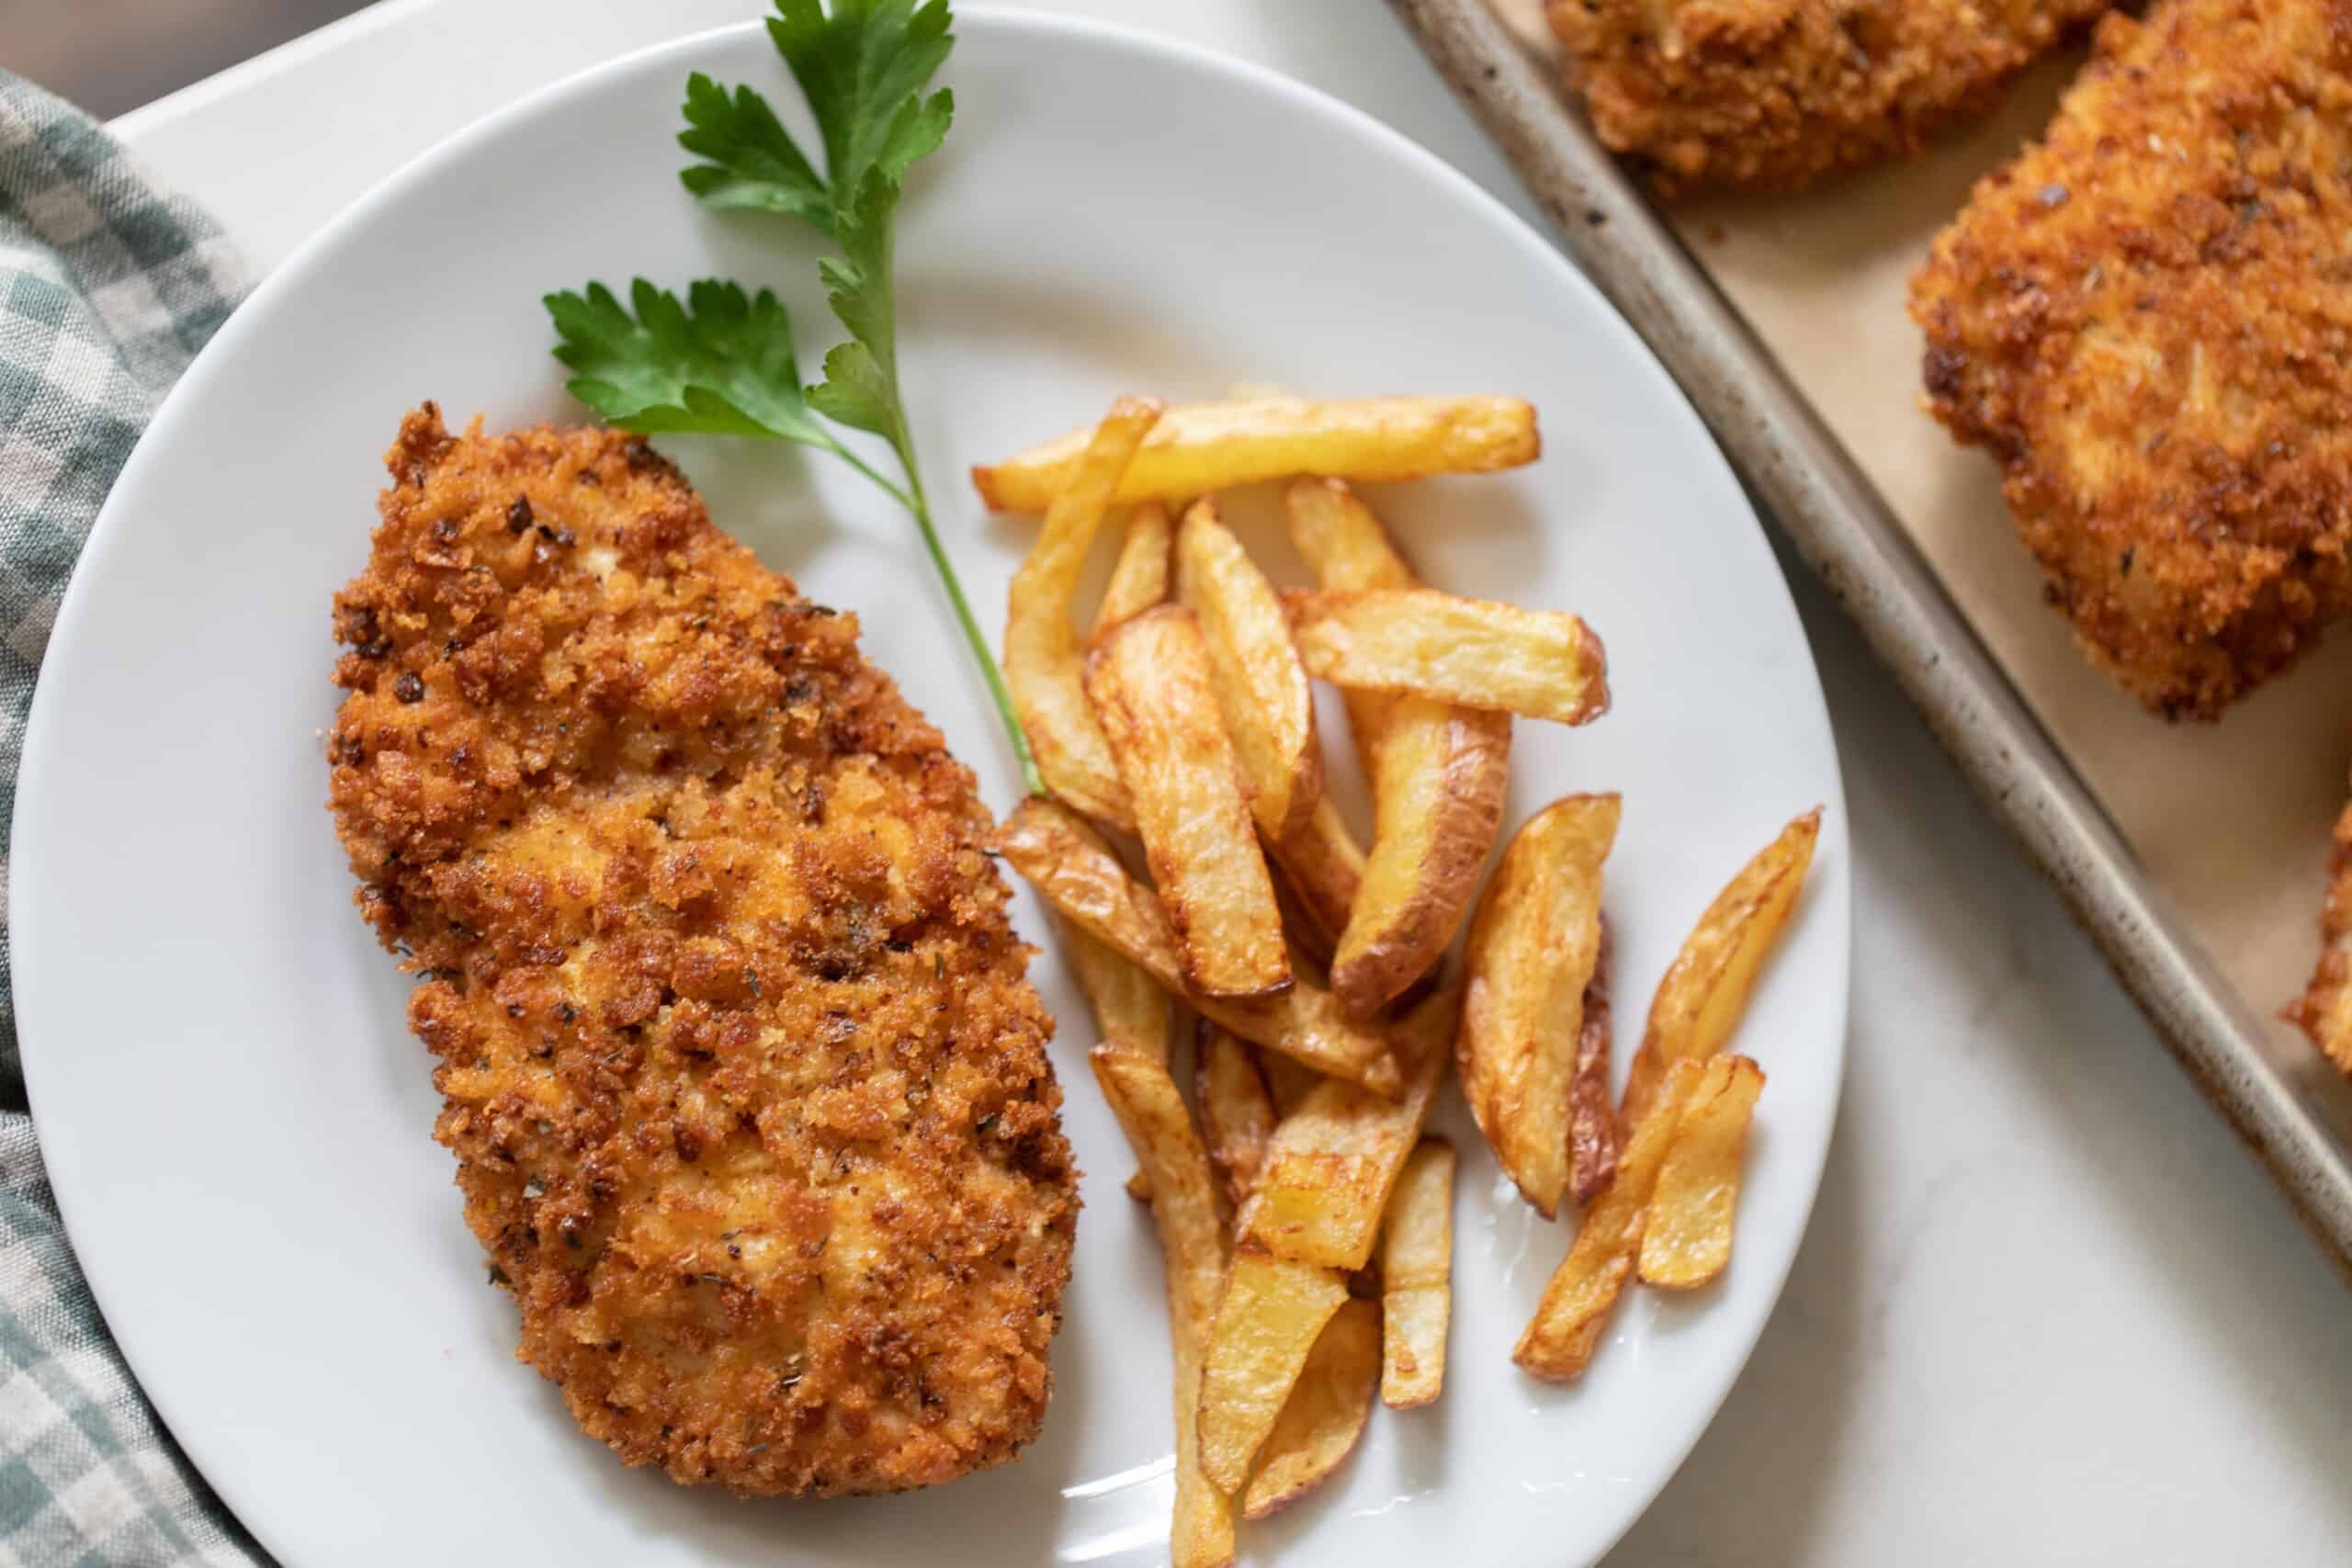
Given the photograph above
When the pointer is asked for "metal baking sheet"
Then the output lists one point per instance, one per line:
(2297, 1121)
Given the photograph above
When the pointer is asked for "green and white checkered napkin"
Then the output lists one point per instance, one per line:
(107, 289)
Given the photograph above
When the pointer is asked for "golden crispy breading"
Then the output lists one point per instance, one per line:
(748, 1092)
(2324, 1009)
(1774, 94)
(2148, 319)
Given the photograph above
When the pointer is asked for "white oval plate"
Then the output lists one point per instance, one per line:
(239, 1126)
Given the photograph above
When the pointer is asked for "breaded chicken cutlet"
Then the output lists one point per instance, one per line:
(1775, 94)
(2147, 319)
(748, 1092)
(2324, 1009)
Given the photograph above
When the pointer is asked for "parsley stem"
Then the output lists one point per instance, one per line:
(918, 503)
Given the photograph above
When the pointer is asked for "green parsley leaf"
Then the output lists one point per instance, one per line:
(753, 162)
(863, 68)
(720, 365)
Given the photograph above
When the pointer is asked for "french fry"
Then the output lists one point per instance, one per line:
(1477, 653)
(1332, 1162)
(1268, 1321)
(1416, 1277)
(1686, 1239)
(1148, 679)
(1325, 1414)
(1341, 542)
(1128, 1007)
(1072, 869)
(1236, 1108)
(1323, 865)
(1582, 1292)
(1260, 686)
(1140, 580)
(1533, 948)
(1202, 448)
(1192, 1240)
(1439, 775)
(1705, 989)
(1043, 667)
(1592, 1118)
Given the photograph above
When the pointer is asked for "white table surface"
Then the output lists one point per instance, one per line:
(2049, 1311)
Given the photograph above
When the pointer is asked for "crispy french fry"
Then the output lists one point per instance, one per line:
(1592, 1118)
(1192, 1238)
(1705, 989)
(1533, 949)
(1072, 869)
(1148, 679)
(1140, 580)
(1043, 667)
(1128, 1007)
(1202, 448)
(1260, 686)
(1341, 542)
(1236, 1108)
(1582, 1292)
(1439, 775)
(1272, 1313)
(1325, 1414)
(1417, 1277)
(1332, 1162)
(1479, 653)
(1323, 865)
(1687, 1240)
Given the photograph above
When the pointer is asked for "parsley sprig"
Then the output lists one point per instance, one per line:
(721, 363)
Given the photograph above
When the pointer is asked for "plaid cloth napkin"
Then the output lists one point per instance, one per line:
(107, 289)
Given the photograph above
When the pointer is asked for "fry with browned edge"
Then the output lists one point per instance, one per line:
(1192, 1239)
(1043, 667)
(1203, 447)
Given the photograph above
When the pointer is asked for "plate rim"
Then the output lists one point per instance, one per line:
(24, 924)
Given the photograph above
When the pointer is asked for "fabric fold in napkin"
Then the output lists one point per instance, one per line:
(108, 286)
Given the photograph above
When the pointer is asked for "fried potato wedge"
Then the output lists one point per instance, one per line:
(1129, 1006)
(1272, 1312)
(1340, 540)
(1192, 1240)
(1592, 1117)
(1687, 1240)
(1323, 866)
(1074, 869)
(1139, 579)
(1260, 686)
(1325, 1414)
(1705, 989)
(1417, 1277)
(1236, 1108)
(1439, 775)
(1533, 949)
(1202, 448)
(1148, 679)
(1582, 1292)
(1332, 1162)
(1043, 667)
(1479, 653)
